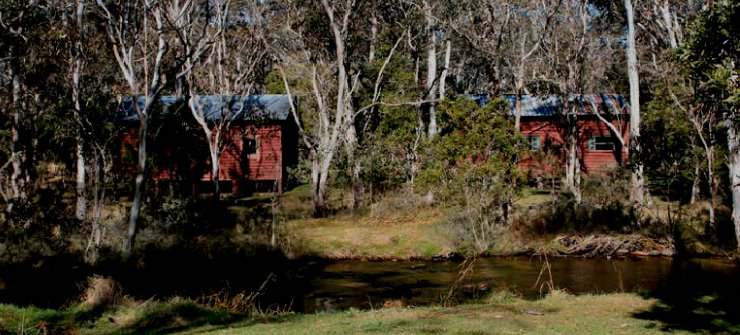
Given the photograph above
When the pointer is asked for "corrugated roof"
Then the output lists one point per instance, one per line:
(550, 105)
(215, 107)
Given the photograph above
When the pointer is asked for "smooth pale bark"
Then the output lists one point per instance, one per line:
(15, 179)
(130, 60)
(76, 63)
(709, 157)
(321, 151)
(670, 22)
(637, 191)
(431, 68)
(81, 206)
(573, 164)
(213, 140)
(733, 149)
(317, 189)
(445, 70)
(373, 37)
(99, 180)
(696, 186)
(128, 242)
(335, 127)
(343, 105)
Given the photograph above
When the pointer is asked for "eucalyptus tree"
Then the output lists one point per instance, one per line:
(575, 58)
(638, 189)
(712, 57)
(329, 40)
(25, 43)
(84, 99)
(224, 52)
(662, 27)
(141, 35)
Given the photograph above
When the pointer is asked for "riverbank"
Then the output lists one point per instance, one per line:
(404, 227)
(501, 313)
(424, 233)
(414, 237)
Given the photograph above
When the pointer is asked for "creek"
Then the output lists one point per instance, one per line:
(320, 285)
(345, 284)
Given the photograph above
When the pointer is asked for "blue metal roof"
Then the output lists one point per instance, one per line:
(215, 107)
(550, 105)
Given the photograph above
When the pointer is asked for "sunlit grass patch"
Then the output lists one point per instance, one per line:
(397, 236)
(559, 313)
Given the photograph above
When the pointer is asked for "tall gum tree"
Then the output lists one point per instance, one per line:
(638, 189)
(334, 79)
(712, 57)
(225, 58)
(140, 37)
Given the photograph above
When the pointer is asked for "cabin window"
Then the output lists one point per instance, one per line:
(250, 146)
(534, 143)
(602, 143)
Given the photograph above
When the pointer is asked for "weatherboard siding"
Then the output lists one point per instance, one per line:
(267, 164)
(264, 165)
(551, 136)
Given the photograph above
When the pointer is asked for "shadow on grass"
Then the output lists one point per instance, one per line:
(164, 318)
(154, 318)
(699, 301)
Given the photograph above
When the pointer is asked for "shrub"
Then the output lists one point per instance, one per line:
(102, 292)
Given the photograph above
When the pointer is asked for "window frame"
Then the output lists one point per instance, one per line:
(254, 148)
(534, 141)
(598, 143)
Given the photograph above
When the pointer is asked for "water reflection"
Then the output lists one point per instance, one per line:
(370, 284)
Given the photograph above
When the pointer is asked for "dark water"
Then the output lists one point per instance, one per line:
(370, 284)
(309, 286)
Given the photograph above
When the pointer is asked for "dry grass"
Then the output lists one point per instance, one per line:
(399, 235)
(102, 292)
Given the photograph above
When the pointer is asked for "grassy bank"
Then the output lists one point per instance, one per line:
(502, 313)
(401, 227)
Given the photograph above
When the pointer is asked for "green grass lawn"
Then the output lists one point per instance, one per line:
(502, 313)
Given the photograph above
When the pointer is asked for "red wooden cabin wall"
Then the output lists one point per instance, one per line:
(551, 132)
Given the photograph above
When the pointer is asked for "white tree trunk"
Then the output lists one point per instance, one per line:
(319, 175)
(573, 164)
(445, 70)
(213, 140)
(317, 197)
(710, 184)
(81, 207)
(373, 37)
(215, 170)
(696, 186)
(15, 179)
(135, 213)
(637, 192)
(669, 22)
(733, 151)
(76, 64)
(431, 68)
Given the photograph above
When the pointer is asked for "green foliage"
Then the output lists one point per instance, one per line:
(394, 129)
(604, 208)
(472, 166)
(478, 148)
(674, 149)
(712, 54)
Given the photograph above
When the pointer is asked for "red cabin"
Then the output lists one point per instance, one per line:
(544, 125)
(259, 142)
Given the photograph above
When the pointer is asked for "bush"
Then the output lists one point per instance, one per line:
(604, 208)
(102, 292)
